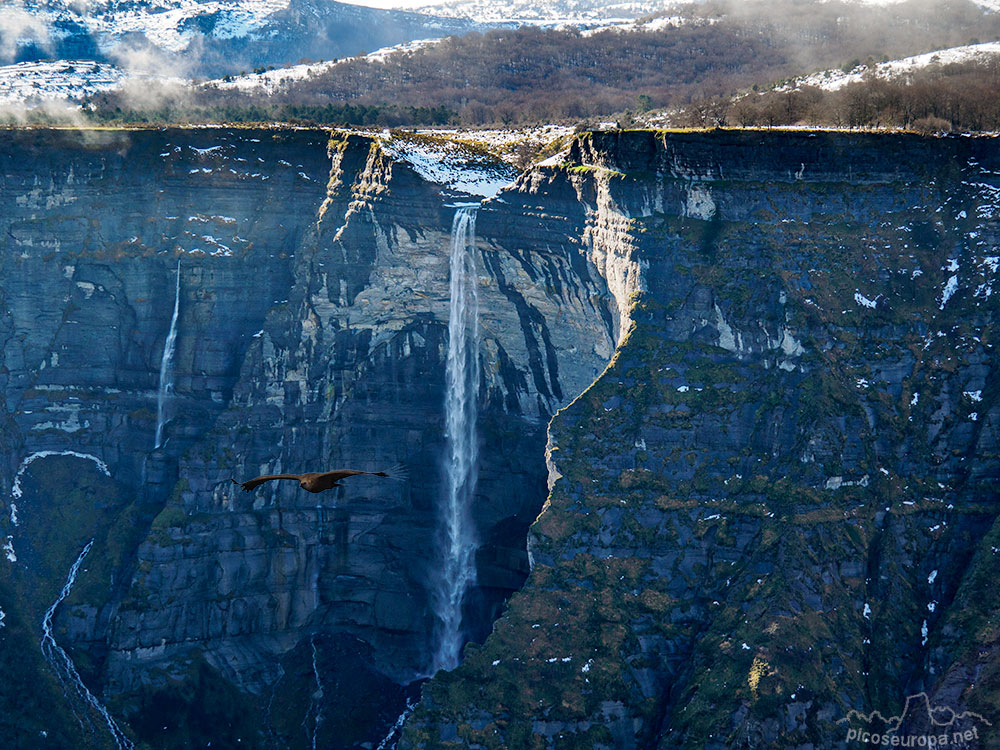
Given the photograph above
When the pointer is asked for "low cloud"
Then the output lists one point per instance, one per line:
(17, 28)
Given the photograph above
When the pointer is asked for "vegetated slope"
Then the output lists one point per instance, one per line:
(779, 502)
(532, 74)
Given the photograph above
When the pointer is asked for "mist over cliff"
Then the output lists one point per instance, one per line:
(744, 381)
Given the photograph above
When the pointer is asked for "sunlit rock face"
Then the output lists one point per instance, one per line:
(311, 333)
(779, 502)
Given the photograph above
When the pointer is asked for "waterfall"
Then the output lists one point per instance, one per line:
(166, 363)
(63, 665)
(457, 539)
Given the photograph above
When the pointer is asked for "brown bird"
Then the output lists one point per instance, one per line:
(320, 481)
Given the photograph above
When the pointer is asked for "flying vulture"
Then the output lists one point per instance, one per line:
(320, 481)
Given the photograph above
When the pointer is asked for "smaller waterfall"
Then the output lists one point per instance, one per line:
(167, 363)
(318, 695)
(458, 541)
(63, 665)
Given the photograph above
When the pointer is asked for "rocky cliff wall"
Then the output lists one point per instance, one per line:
(778, 504)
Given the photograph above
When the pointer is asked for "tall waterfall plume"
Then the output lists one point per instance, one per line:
(167, 363)
(59, 660)
(458, 540)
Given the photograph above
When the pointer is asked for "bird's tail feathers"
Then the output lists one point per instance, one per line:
(398, 472)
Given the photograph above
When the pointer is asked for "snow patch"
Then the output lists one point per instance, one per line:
(15, 489)
(863, 301)
(451, 164)
(950, 287)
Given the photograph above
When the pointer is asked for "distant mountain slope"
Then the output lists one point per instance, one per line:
(210, 38)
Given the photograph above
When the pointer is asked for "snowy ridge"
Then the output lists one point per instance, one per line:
(271, 81)
(660, 23)
(542, 12)
(188, 38)
(170, 30)
(171, 26)
(833, 80)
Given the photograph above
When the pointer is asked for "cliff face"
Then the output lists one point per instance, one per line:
(779, 502)
(775, 505)
(311, 332)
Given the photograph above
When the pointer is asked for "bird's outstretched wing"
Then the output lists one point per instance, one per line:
(397, 472)
(257, 481)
